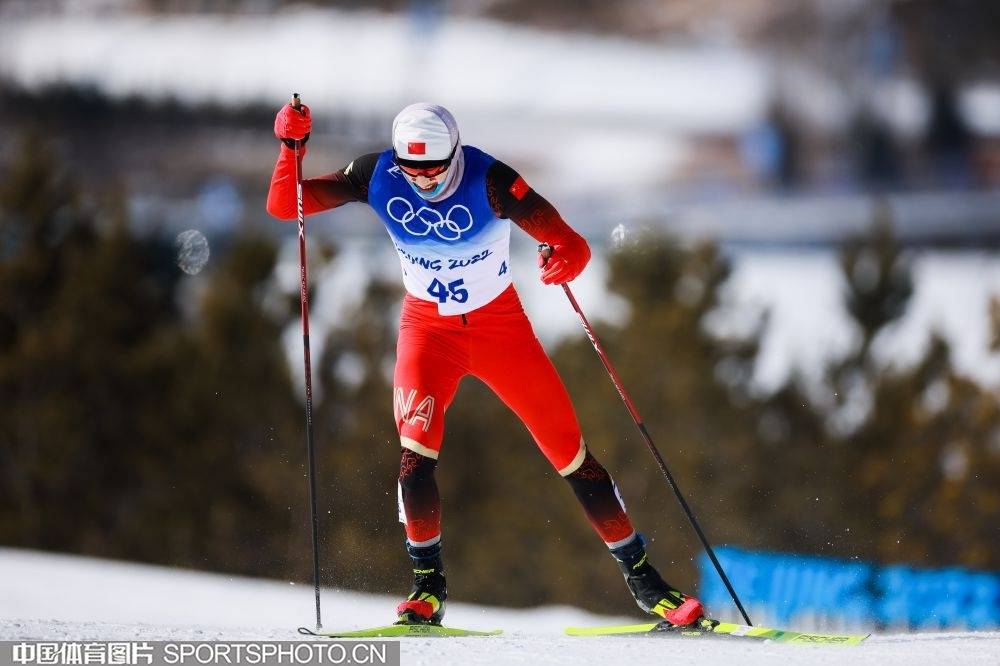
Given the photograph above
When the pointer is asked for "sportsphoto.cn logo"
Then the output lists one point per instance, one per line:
(422, 221)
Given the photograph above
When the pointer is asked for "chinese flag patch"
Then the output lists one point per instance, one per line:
(416, 147)
(519, 188)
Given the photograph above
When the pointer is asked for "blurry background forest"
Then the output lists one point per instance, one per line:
(795, 210)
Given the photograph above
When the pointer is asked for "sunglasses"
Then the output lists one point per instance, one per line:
(429, 172)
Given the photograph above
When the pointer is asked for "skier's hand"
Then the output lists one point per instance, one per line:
(567, 260)
(293, 124)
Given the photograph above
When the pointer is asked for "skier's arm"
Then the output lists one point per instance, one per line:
(294, 123)
(318, 194)
(512, 198)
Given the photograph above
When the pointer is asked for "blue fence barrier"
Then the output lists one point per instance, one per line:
(788, 588)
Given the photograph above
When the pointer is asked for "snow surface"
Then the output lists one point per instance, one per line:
(537, 102)
(810, 326)
(64, 597)
(242, 59)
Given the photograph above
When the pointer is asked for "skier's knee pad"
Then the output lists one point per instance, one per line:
(419, 502)
(589, 476)
(415, 469)
(601, 500)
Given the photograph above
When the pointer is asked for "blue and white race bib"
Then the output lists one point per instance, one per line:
(454, 252)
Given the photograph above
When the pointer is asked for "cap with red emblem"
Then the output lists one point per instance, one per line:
(424, 134)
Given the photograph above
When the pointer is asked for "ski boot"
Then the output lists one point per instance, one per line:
(425, 605)
(651, 593)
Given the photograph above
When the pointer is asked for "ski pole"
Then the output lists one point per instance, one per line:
(304, 299)
(545, 251)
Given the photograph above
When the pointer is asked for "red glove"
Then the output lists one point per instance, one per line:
(292, 123)
(569, 257)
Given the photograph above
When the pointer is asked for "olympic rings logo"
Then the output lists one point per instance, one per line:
(422, 221)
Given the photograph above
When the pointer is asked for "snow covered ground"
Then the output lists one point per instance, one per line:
(810, 326)
(537, 100)
(244, 58)
(47, 596)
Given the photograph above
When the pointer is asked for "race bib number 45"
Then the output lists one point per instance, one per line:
(453, 291)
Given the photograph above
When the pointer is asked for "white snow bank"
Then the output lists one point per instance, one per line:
(809, 325)
(569, 104)
(72, 589)
(60, 597)
(366, 61)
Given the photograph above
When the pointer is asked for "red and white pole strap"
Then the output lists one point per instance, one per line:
(545, 251)
(304, 299)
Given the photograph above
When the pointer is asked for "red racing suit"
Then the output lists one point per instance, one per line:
(493, 341)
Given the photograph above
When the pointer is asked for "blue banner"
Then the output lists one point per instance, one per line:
(824, 591)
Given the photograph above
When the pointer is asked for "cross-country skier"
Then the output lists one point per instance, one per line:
(447, 208)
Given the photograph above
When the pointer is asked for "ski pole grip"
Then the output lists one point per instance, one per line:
(296, 102)
(544, 252)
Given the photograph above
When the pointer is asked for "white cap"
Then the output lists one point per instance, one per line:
(424, 133)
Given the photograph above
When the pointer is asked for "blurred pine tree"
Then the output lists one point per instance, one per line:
(128, 432)
(917, 445)
(358, 449)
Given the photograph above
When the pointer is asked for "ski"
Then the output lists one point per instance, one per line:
(400, 630)
(713, 629)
